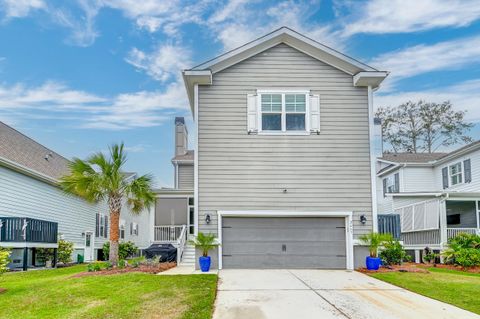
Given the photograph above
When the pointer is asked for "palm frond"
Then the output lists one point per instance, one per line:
(139, 193)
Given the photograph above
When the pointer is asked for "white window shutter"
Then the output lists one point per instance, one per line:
(315, 113)
(252, 113)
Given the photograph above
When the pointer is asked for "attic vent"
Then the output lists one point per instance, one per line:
(48, 156)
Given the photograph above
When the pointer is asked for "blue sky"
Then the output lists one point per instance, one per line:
(80, 75)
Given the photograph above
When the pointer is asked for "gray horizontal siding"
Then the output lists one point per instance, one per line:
(23, 196)
(326, 172)
(185, 176)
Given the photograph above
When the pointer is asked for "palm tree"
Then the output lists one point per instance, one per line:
(99, 178)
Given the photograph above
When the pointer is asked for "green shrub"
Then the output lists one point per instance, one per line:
(4, 259)
(44, 254)
(125, 250)
(65, 251)
(122, 263)
(468, 257)
(94, 267)
(463, 250)
(108, 265)
(393, 253)
(137, 261)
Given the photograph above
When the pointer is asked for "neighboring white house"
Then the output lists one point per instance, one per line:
(29, 174)
(284, 158)
(437, 195)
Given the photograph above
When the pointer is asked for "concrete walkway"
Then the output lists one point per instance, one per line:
(186, 270)
(324, 294)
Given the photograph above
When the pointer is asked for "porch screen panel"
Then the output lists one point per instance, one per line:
(432, 214)
(407, 218)
(419, 216)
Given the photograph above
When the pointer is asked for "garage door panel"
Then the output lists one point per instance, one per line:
(284, 234)
(268, 247)
(283, 242)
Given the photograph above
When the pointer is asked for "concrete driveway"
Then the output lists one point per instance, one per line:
(297, 294)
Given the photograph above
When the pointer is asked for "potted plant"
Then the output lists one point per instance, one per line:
(205, 242)
(374, 241)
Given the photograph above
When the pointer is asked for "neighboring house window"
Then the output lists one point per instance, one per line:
(456, 174)
(391, 184)
(134, 229)
(283, 112)
(122, 229)
(101, 225)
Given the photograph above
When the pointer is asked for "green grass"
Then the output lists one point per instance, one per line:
(55, 294)
(454, 287)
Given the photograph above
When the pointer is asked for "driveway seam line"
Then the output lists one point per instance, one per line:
(331, 304)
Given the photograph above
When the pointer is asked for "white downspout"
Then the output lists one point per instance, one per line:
(373, 177)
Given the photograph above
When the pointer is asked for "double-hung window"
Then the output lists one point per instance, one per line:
(456, 175)
(283, 112)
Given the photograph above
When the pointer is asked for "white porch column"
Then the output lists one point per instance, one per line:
(478, 215)
(443, 223)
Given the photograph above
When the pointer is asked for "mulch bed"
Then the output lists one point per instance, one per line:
(2, 290)
(406, 267)
(420, 268)
(142, 268)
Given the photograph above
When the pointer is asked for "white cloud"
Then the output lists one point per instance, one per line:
(419, 59)
(238, 22)
(163, 64)
(464, 96)
(398, 16)
(54, 101)
(20, 8)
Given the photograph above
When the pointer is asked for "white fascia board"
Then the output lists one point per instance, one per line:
(456, 154)
(27, 171)
(292, 38)
(414, 194)
(391, 169)
(369, 78)
(192, 77)
(28, 245)
(276, 213)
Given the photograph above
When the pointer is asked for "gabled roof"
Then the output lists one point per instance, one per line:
(17, 149)
(363, 74)
(411, 157)
(431, 159)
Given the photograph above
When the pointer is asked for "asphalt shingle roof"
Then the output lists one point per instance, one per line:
(189, 156)
(412, 157)
(19, 148)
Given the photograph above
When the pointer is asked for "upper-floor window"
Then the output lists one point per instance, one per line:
(456, 174)
(122, 229)
(283, 112)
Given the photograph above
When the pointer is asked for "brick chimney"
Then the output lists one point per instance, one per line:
(181, 136)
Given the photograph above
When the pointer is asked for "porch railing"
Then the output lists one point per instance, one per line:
(453, 232)
(30, 230)
(167, 233)
(181, 243)
(428, 237)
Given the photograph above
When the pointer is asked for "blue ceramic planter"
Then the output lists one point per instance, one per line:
(373, 263)
(204, 263)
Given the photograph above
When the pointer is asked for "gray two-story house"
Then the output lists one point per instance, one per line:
(284, 163)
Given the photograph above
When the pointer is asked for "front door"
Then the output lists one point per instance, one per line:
(89, 246)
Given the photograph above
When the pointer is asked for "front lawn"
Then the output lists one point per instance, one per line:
(56, 294)
(454, 287)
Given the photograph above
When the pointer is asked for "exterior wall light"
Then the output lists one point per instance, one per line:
(208, 219)
(363, 219)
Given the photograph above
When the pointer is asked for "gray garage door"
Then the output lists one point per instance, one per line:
(262, 242)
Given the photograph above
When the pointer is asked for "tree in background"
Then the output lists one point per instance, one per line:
(423, 126)
(99, 178)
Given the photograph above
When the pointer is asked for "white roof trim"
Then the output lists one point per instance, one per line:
(371, 78)
(290, 37)
(27, 171)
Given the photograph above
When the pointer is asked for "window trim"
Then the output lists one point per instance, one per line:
(283, 112)
(460, 173)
